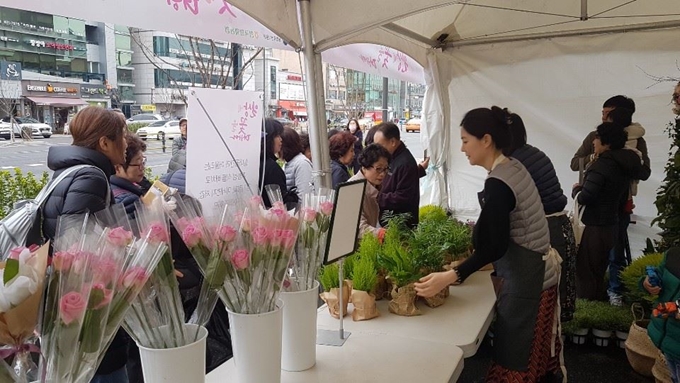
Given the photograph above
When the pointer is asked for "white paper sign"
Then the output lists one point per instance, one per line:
(376, 59)
(213, 176)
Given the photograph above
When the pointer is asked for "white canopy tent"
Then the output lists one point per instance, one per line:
(552, 62)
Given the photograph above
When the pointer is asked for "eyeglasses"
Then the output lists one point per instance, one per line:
(140, 165)
(380, 170)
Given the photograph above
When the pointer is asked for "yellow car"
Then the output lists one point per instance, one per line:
(412, 125)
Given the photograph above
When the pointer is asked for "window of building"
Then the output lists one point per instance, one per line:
(123, 42)
(125, 76)
(93, 67)
(126, 93)
(76, 28)
(172, 78)
(121, 29)
(123, 58)
(183, 49)
(91, 35)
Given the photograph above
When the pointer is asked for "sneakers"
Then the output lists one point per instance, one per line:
(615, 299)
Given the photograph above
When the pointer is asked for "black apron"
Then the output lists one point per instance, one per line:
(518, 280)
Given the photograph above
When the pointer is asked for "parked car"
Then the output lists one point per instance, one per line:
(38, 129)
(158, 129)
(144, 118)
(412, 125)
(6, 130)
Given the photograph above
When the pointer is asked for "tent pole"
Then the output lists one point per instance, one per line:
(318, 138)
(321, 100)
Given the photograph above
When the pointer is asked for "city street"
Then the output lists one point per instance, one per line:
(32, 156)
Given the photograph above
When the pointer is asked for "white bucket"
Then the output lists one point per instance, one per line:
(179, 364)
(299, 329)
(256, 343)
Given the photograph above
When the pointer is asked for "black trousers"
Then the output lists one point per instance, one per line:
(592, 261)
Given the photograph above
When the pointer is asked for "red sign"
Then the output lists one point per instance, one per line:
(294, 77)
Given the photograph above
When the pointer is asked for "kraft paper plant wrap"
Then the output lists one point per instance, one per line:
(332, 299)
(364, 306)
(22, 279)
(404, 301)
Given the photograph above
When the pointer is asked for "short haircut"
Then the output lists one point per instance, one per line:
(332, 132)
(372, 154)
(369, 135)
(340, 144)
(494, 122)
(93, 123)
(304, 142)
(389, 130)
(134, 146)
(620, 101)
(291, 144)
(274, 129)
(621, 116)
(612, 134)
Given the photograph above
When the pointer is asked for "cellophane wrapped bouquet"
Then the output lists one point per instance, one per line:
(156, 318)
(98, 268)
(22, 277)
(315, 221)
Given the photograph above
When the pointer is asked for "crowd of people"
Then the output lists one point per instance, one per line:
(522, 228)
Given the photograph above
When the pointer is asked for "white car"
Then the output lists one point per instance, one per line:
(159, 129)
(38, 129)
(144, 118)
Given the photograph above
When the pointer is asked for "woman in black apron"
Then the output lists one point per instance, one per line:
(512, 232)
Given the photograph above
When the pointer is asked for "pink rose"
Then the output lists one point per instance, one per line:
(260, 235)
(278, 214)
(157, 233)
(100, 296)
(104, 270)
(119, 237)
(61, 261)
(16, 252)
(134, 278)
(182, 223)
(308, 214)
(278, 205)
(192, 236)
(79, 260)
(256, 201)
(240, 259)
(226, 233)
(289, 237)
(276, 237)
(326, 207)
(71, 307)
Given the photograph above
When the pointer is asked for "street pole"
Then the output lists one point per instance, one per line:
(385, 94)
(236, 56)
(318, 136)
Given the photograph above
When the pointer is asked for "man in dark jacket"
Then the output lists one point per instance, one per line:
(400, 192)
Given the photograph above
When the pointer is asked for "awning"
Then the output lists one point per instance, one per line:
(56, 101)
(301, 114)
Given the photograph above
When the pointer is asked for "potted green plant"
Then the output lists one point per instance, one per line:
(631, 277)
(603, 321)
(622, 321)
(363, 283)
(667, 197)
(328, 276)
(432, 213)
(370, 247)
(579, 327)
(402, 268)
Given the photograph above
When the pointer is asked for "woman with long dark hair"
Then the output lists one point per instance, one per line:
(273, 174)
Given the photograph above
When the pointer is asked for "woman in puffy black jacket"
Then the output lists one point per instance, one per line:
(554, 201)
(98, 140)
(273, 173)
(125, 184)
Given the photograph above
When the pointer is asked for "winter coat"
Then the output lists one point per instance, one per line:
(400, 191)
(586, 148)
(339, 173)
(358, 148)
(370, 211)
(179, 154)
(127, 193)
(177, 180)
(605, 187)
(299, 175)
(85, 190)
(665, 333)
(274, 175)
(543, 173)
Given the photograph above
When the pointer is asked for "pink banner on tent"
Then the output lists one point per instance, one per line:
(376, 59)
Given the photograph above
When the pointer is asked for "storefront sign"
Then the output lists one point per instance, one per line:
(148, 108)
(294, 77)
(41, 88)
(51, 44)
(10, 71)
(93, 91)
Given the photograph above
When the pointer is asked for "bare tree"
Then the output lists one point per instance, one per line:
(9, 96)
(355, 93)
(204, 69)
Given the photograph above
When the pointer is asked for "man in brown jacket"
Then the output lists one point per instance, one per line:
(619, 110)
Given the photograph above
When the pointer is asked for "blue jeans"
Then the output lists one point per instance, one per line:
(617, 255)
(118, 376)
(674, 366)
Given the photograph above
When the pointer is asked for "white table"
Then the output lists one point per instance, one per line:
(462, 321)
(371, 358)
